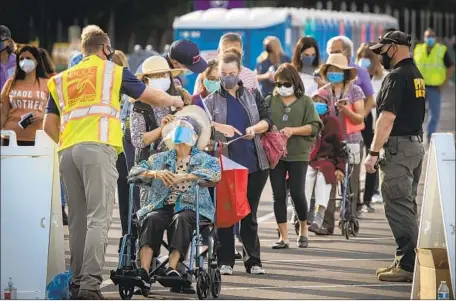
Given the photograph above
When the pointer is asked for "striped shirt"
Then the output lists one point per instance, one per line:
(247, 76)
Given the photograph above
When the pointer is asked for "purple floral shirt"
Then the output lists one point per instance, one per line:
(353, 93)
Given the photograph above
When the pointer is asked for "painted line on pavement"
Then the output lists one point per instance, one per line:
(297, 286)
(327, 259)
(270, 215)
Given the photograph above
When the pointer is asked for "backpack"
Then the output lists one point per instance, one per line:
(151, 124)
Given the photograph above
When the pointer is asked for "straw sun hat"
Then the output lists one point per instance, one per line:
(198, 118)
(340, 61)
(157, 64)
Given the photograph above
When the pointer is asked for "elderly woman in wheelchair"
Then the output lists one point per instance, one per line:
(174, 177)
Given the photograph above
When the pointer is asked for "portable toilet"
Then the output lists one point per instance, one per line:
(253, 24)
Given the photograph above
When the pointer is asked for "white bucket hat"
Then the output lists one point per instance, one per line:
(157, 64)
(198, 118)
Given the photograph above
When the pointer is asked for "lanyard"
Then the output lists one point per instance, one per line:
(335, 97)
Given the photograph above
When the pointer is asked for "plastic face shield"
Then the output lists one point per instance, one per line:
(182, 133)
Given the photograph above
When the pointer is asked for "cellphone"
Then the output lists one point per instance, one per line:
(342, 102)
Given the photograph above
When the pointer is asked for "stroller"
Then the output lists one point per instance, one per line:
(126, 275)
(348, 224)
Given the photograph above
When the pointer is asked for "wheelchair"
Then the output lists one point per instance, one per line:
(127, 278)
(348, 224)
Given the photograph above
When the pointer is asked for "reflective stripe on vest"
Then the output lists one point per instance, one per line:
(58, 84)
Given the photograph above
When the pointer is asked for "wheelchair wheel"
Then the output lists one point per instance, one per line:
(346, 231)
(355, 227)
(203, 284)
(126, 292)
(216, 282)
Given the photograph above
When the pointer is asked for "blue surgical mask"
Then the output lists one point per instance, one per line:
(364, 63)
(430, 41)
(335, 77)
(321, 108)
(307, 60)
(211, 85)
(185, 135)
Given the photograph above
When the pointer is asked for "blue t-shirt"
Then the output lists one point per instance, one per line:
(241, 151)
(131, 86)
(266, 85)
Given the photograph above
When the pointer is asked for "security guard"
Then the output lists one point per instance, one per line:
(401, 109)
(434, 62)
(83, 116)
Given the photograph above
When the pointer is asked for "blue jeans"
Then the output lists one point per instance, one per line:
(434, 103)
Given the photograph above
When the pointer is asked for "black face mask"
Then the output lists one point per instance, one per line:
(110, 54)
(268, 49)
(386, 60)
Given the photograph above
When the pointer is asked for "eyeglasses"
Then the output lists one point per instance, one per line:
(286, 85)
(285, 115)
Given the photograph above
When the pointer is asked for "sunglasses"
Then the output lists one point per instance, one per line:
(287, 111)
(286, 85)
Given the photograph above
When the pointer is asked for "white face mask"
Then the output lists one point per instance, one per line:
(285, 92)
(27, 65)
(160, 83)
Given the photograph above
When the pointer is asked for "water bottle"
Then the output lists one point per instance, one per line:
(443, 292)
(10, 292)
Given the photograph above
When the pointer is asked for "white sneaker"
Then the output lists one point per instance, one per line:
(226, 270)
(376, 199)
(257, 270)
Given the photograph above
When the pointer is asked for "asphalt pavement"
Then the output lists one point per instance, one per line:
(330, 268)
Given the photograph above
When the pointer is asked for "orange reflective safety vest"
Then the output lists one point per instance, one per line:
(87, 96)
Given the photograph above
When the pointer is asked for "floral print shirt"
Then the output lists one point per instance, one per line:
(138, 125)
(200, 164)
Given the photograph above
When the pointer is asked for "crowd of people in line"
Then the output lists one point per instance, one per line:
(319, 106)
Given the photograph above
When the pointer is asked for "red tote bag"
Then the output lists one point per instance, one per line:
(350, 127)
(231, 192)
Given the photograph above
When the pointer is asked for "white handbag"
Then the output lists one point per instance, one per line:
(354, 156)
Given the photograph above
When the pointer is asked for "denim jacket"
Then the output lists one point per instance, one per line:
(201, 164)
(254, 104)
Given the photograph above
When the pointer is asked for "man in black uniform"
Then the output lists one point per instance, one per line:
(399, 131)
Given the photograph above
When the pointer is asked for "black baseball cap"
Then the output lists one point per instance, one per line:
(393, 37)
(187, 53)
(5, 33)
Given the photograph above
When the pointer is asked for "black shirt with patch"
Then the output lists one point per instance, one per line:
(403, 94)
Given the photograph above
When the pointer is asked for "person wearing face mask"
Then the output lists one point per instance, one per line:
(210, 82)
(232, 40)
(7, 56)
(401, 107)
(173, 176)
(293, 114)
(24, 93)
(346, 101)
(327, 159)
(83, 117)
(268, 61)
(306, 59)
(234, 111)
(435, 64)
(146, 121)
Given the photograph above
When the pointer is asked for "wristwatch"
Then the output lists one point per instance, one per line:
(372, 153)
